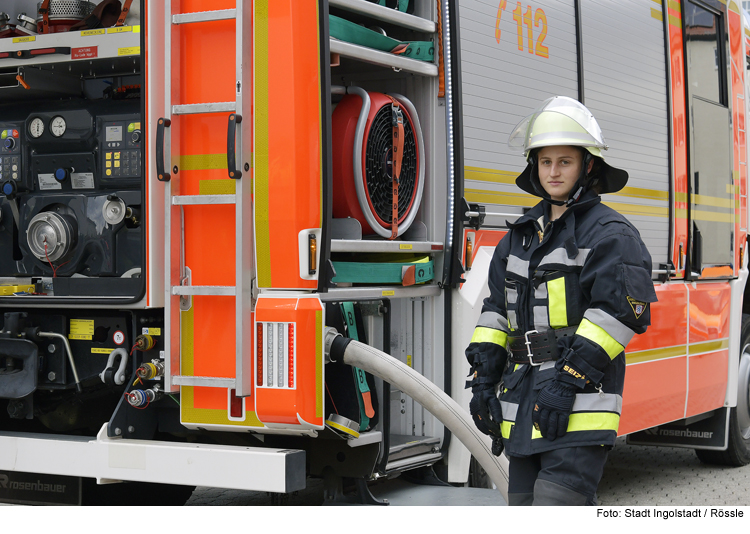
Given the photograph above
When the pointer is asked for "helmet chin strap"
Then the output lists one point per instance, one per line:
(583, 182)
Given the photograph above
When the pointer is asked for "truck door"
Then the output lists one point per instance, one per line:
(711, 205)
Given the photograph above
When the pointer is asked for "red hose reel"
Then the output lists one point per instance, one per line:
(363, 147)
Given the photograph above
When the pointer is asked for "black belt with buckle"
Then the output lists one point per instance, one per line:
(535, 347)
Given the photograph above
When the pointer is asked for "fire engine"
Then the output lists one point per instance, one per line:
(246, 243)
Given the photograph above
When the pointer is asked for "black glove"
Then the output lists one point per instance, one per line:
(552, 409)
(497, 446)
(485, 410)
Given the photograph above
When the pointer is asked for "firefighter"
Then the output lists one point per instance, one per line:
(570, 284)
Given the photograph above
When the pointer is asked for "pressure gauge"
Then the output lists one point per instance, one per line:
(57, 126)
(36, 128)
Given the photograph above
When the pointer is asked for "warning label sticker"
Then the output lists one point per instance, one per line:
(86, 52)
(47, 181)
(81, 329)
(130, 51)
(82, 180)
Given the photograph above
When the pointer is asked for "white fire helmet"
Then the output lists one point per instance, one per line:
(560, 121)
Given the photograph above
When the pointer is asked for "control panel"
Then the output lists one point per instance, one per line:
(71, 202)
(10, 151)
(120, 140)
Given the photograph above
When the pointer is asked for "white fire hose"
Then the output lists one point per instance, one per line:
(427, 394)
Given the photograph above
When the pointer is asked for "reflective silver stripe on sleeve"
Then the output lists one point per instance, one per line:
(511, 295)
(598, 402)
(619, 332)
(510, 409)
(540, 293)
(512, 321)
(518, 266)
(547, 365)
(560, 257)
(494, 320)
(541, 320)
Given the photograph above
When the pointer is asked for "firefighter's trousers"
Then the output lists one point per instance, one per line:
(561, 477)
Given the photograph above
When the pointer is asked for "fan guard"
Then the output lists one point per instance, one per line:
(362, 171)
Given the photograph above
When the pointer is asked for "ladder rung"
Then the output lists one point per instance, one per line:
(203, 381)
(204, 16)
(199, 200)
(215, 291)
(211, 107)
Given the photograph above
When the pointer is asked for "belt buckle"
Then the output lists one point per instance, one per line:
(528, 347)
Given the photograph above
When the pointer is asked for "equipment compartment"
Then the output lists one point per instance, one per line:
(362, 210)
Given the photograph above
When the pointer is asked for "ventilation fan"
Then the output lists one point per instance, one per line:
(363, 147)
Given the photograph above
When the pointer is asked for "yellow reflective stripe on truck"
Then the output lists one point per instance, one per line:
(262, 166)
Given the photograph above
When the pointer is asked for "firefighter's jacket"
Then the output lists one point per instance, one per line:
(588, 268)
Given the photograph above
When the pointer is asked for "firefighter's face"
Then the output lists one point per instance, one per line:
(559, 169)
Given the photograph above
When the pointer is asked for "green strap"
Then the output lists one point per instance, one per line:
(347, 310)
(350, 32)
(382, 273)
(403, 5)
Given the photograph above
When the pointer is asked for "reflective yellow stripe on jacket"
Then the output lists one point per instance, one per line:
(505, 428)
(588, 421)
(558, 308)
(489, 335)
(598, 335)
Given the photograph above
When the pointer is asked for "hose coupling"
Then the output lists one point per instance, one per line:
(334, 345)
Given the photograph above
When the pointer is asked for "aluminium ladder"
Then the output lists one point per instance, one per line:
(178, 288)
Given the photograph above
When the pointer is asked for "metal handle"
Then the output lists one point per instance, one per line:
(234, 120)
(161, 174)
(31, 54)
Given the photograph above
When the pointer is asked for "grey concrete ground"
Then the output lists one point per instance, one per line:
(396, 492)
(634, 476)
(645, 476)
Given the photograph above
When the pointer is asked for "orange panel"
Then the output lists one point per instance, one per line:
(709, 311)
(310, 361)
(204, 134)
(739, 99)
(718, 271)
(487, 238)
(654, 394)
(288, 172)
(213, 347)
(210, 244)
(213, 336)
(209, 230)
(668, 320)
(191, 6)
(708, 382)
(205, 56)
(294, 153)
(210, 398)
(284, 404)
(482, 238)
(679, 131)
